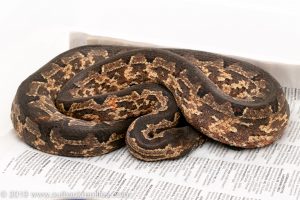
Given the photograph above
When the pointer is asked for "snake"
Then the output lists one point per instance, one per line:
(161, 103)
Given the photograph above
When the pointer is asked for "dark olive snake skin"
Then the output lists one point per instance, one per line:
(161, 103)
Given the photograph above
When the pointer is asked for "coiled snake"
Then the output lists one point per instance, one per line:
(162, 103)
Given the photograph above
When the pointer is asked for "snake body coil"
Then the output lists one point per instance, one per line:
(92, 100)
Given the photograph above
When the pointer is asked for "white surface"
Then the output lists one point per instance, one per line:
(33, 32)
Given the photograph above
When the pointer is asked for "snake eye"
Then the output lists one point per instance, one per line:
(151, 134)
(201, 92)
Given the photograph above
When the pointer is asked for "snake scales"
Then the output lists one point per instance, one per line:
(161, 103)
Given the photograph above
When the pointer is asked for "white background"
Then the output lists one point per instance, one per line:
(33, 32)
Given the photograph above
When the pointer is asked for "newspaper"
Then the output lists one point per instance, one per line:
(212, 171)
